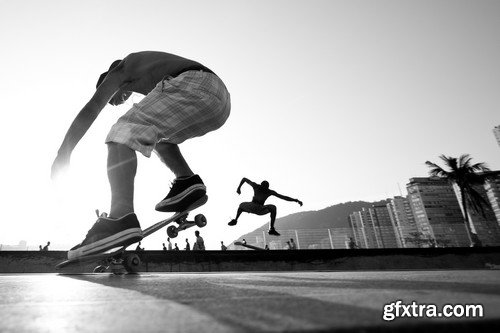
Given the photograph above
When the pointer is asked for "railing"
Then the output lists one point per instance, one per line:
(440, 235)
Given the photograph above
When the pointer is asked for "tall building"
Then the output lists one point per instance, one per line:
(372, 239)
(484, 222)
(496, 131)
(402, 219)
(492, 187)
(364, 229)
(356, 224)
(372, 228)
(384, 229)
(437, 213)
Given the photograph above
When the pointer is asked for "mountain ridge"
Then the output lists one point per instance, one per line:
(335, 216)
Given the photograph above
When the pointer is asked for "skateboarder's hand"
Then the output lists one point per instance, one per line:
(238, 190)
(60, 163)
(299, 202)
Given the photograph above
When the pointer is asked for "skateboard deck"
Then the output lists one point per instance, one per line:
(248, 246)
(121, 261)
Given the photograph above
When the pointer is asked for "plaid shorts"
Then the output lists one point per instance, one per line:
(187, 106)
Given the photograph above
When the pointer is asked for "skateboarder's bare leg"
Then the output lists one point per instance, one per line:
(235, 220)
(170, 154)
(121, 227)
(122, 167)
(238, 213)
(272, 209)
(253, 208)
(187, 187)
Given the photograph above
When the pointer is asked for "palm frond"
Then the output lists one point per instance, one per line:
(474, 179)
(436, 170)
(466, 175)
(464, 161)
(451, 162)
(480, 167)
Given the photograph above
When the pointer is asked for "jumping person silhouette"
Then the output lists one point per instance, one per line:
(184, 99)
(257, 205)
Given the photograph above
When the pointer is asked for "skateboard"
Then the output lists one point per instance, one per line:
(120, 261)
(248, 246)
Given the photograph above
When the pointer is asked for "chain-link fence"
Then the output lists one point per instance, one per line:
(337, 238)
(440, 235)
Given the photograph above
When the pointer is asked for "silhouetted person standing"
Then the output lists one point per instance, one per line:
(222, 246)
(200, 243)
(352, 244)
(169, 244)
(257, 205)
(183, 99)
(188, 247)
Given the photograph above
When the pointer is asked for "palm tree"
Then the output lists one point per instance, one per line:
(465, 175)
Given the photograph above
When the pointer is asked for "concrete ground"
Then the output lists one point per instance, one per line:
(242, 301)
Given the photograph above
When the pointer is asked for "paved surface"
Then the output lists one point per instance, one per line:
(241, 302)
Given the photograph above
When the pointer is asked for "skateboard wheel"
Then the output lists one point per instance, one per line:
(132, 263)
(100, 269)
(200, 220)
(172, 231)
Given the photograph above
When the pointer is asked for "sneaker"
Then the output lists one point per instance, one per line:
(273, 232)
(184, 192)
(232, 222)
(108, 233)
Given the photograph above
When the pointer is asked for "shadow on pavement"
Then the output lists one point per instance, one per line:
(243, 304)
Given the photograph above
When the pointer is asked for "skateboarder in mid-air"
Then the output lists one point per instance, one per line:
(183, 99)
(257, 206)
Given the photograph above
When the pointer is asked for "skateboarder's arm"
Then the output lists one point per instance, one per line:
(243, 181)
(84, 120)
(284, 197)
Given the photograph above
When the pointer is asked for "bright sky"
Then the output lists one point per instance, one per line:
(332, 101)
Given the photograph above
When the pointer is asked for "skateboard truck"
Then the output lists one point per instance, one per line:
(199, 220)
(120, 264)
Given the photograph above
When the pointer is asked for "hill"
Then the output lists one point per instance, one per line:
(333, 217)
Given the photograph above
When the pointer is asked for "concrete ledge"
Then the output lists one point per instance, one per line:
(273, 260)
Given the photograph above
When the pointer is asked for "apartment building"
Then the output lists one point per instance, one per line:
(383, 226)
(483, 222)
(437, 212)
(492, 187)
(402, 219)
